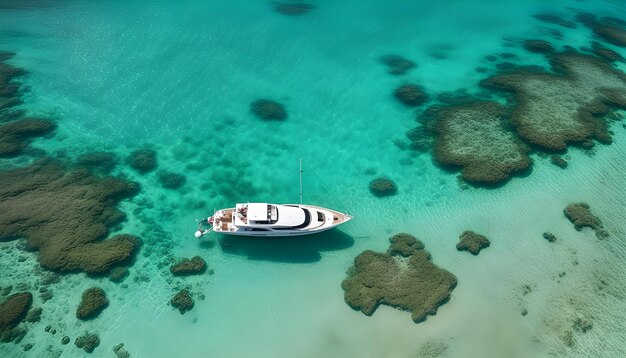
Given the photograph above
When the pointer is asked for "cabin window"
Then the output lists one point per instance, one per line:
(307, 220)
(320, 216)
(258, 229)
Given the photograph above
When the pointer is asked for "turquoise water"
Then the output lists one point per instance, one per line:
(178, 77)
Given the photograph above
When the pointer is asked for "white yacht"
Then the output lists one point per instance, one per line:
(264, 219)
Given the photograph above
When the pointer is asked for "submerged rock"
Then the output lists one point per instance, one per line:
(194, 266)
(182, 301)
(93, 301)
(383, 187)
(268, 109)
(472, 242)
(88, 342)
(413, 284)
(65, 340)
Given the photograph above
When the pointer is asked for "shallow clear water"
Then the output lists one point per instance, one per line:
(179, 77)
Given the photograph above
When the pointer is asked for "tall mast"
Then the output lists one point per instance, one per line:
(300, 181)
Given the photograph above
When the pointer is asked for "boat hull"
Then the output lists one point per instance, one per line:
(231, 222)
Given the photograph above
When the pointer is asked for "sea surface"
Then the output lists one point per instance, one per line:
(179, 76)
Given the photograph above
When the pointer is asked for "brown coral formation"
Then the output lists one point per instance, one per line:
(472, 242)
(13, 311)
(475, 138)
(554, 110)
(194, 266)
(182, 301)
(93, 301)
(580, 215)
(413, 283)
(66, 215)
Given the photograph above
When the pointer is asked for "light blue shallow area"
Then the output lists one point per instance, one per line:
(179, 77)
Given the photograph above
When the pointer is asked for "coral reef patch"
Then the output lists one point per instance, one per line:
(410, 283)
(194, 266)
(120, 351)
(558, 161)
(182, 301)
(383, 187)
(143, 160)
(88, 342)
(268, 110)
(34, 315)
(580, 215)
(296, 8)
(16, 135)
(404, 244)
(410, 95)
(171, 180)
(93, 302)
(549, 236)
(472, 242)
(66, 215)
(609, 29)
(103, 162)
(118, 274)
(554, 110)
(13, 311)
(538, 46)
(475, 138)
(555, 20)
(397, 65)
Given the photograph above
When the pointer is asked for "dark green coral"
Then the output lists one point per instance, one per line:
(413, 284)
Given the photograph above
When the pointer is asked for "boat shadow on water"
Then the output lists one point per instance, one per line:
(297, 249)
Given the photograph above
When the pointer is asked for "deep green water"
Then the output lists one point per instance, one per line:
(179, 77)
